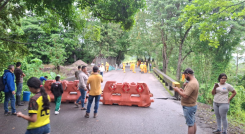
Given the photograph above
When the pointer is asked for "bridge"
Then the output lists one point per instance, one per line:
(164, 116)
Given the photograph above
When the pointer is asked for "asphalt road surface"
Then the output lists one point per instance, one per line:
(162, 117)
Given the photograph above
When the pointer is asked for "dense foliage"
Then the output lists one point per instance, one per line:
(204, 35)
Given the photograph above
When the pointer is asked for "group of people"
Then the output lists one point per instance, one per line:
(91, 83)
(143, 67)
(221, 100)
(103, 68)
(11, 77)
(39, 104)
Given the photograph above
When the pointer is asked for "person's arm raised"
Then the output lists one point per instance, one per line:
(216, 85)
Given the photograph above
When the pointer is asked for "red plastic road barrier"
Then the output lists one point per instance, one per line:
(70, 93)
(127, 94)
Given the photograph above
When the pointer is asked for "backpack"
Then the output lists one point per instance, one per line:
(2, 85)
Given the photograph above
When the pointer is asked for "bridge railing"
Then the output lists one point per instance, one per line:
(169, 82)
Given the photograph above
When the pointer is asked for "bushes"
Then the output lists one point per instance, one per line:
(32, 69)
(205, 95)
(237, 110)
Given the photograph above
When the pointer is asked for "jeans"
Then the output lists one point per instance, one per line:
(57, 101)
(189, 113)
(9, 96)
(19, 88)
(101, 73)
(41, 130)
(220, 110)
(82, 97)
(90, 101)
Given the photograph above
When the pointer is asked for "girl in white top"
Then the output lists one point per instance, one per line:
(222, 102)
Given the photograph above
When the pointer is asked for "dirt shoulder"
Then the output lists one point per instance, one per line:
(67, 71)
(206, 119)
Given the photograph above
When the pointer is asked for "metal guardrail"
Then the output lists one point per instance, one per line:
(169, 82)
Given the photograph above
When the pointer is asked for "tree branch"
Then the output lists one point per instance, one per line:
(16, 42)
(186, 33)
(186, 55)
(230, 6)
(4, 4)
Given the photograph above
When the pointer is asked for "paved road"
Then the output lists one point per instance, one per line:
(162, 117)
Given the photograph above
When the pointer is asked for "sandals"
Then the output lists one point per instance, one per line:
(86, 115)
(83, 108)
(7, 113)
(95, 115)
(76, 104)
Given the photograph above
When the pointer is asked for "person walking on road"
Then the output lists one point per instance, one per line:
(189, 99)
(221, 102)
(150, 66)
(19, 82)
(78, 72)
(124, 67)
(57, 90)
(83, 78)
(102, 69)
(39, 109)
(107, 66)
(9, 90)
(94, 81)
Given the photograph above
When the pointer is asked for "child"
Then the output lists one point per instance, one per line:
(39, 108)
(45, 78)
(57, 90)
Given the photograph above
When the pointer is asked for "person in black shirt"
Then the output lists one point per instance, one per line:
(57, 90)
(19, 82)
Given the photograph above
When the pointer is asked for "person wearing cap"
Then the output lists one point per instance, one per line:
(102, 69)
(124, 69)
(94, 81)
(107, 66)
(189, 99)
(141, 67)
(133, 67)
(145, 68)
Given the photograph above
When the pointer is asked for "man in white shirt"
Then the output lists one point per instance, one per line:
(102, 69)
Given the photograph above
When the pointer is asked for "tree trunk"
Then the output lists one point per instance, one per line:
(237, 58)
(180, 59)
(178, 73)
(165, 62)
(75, 57)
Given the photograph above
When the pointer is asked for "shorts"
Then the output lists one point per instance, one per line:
(189, 113)
(41, 130)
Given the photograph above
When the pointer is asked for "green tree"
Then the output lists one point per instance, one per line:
(214, 18)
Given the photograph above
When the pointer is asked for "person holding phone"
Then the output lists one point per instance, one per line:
(221, 102)
(189, 97)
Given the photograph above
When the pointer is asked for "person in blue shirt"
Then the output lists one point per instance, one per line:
(9, 91)
(43, 78)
